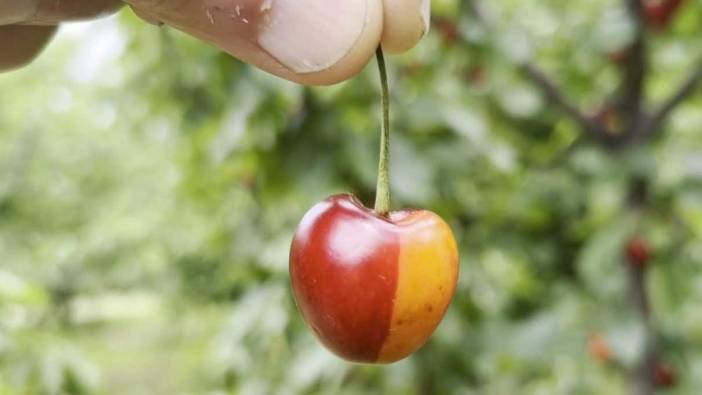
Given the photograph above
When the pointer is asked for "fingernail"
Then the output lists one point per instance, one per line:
(311, 35)
(426, 15)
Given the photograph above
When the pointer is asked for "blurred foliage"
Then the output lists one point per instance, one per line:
(150, 185)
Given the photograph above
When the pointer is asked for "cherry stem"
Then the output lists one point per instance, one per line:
(382, 191)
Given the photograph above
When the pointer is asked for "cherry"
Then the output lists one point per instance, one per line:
(659, 14)
(373, 288)
(599, 347)
(664, 376)
(638, 252)
(448, 30)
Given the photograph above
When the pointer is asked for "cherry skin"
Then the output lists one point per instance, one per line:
(372, 288)
(638, 252)
(659, 13)
(664, 376)
(599, 348)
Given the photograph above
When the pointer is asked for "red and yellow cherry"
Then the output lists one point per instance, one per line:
(373, 288)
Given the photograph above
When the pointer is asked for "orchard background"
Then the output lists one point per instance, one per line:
(150, 185)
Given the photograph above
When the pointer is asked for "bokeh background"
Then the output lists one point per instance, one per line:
(150, 186)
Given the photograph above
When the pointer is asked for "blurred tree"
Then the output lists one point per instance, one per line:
(150, 185)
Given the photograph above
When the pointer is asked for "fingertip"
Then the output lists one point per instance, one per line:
(406, 22)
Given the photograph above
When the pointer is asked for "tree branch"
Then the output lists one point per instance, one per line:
(634, 71)
(642, 377)
(589, 125)
(686, 89)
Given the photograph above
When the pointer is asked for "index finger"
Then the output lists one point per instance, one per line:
(405, 23)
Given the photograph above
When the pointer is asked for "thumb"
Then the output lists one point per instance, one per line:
(312, 42)
(406, 22)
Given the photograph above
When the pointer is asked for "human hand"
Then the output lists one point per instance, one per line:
(307, 41)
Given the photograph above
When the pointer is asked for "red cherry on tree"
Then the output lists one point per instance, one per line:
(373, 284)
(638, 252)
(599, 347)
(655, 14)
(664, 376)
(448, 30)
(659, 13)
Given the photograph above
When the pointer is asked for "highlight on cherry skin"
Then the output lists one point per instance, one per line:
(372, 288)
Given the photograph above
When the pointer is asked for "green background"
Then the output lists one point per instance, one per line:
(150, 186)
